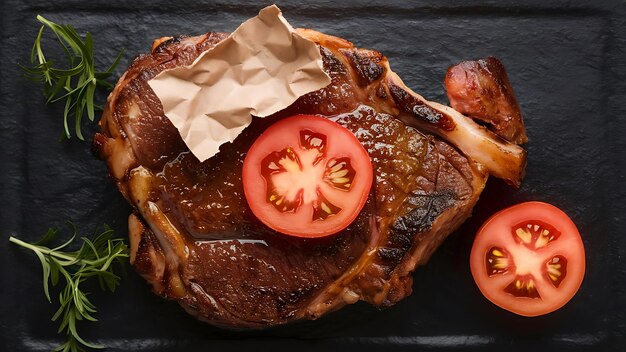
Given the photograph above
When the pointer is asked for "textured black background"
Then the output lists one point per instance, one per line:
(565, 61)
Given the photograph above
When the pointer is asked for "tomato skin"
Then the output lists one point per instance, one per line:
(525, 260)
(340, 143)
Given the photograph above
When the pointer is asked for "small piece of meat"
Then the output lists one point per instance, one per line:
(196, 241)
(480, 89)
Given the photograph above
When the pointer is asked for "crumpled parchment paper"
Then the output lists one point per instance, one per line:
(261, 68)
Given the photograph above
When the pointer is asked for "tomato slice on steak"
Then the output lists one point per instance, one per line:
(307, 176)
(528, 259)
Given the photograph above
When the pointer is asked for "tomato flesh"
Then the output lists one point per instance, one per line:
(307, 176)
(528, 259)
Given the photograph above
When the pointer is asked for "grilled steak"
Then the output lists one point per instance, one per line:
(195, 240)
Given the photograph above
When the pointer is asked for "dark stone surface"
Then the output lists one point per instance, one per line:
(565, 62)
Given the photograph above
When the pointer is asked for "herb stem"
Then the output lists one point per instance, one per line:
(75, 84)
(42, 250)
(93, 259)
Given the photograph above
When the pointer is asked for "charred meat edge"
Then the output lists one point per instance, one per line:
(481, 89)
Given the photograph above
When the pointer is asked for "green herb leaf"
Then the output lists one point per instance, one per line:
(93, 259)
(77, 83)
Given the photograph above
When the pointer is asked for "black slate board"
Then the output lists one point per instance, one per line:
(565, 61)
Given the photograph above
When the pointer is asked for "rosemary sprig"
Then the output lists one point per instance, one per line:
(93, 259)
(76, 84)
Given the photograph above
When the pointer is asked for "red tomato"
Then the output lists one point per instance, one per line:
(307, 176)
(528, 259)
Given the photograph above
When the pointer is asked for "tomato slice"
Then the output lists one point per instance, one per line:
(307, 176)
(528, 259)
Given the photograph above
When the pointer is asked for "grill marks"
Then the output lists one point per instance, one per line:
(420, 110)
(417, 179)
(366, 63)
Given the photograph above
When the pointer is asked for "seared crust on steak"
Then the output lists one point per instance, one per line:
(195, 240)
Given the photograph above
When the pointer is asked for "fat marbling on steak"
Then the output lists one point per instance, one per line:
(195, 240)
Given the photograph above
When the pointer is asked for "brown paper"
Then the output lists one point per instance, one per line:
(261, 68)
